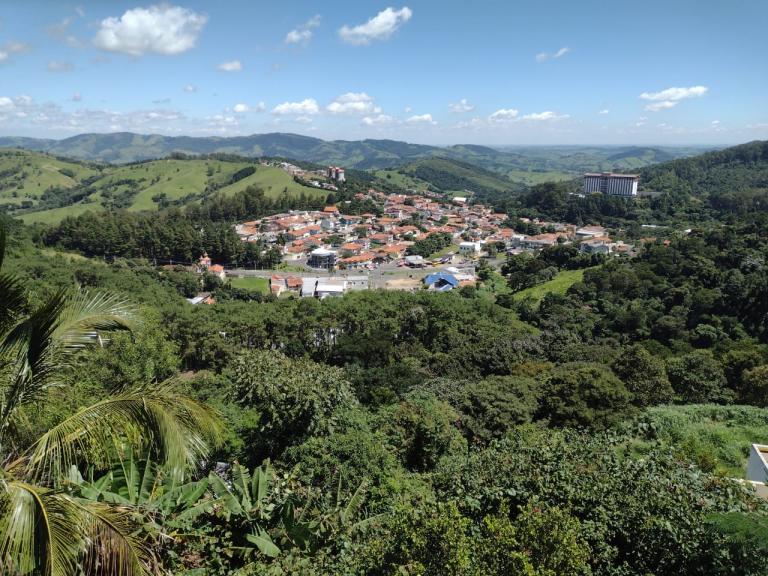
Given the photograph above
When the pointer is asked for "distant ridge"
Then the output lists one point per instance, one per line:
(124, 147)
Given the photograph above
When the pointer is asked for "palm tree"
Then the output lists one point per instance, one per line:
(44, 529)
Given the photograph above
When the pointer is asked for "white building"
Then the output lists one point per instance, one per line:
(611, 184)
(469, 248)
(757, 469)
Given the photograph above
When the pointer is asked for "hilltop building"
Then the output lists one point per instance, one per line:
(336, 174)
(611, 184)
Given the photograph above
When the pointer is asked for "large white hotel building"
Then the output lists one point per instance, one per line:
(610, 183)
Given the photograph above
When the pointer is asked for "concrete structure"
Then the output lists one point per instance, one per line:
(757, 469)
(415, 261)
(336, 174)
(322, 258)
(611, 184)
(469, 248)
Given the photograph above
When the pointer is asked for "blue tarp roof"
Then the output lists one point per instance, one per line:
(441, 276)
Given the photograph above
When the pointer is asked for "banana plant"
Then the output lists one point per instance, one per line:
(245, 497)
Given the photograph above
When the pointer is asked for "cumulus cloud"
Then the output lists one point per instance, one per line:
(504, 115)
(241, 108)
(59, 66)
(670, 97)
(231, 66)
(421, 119)
(461, 106)
(190, 88)
(303, 108)
(544, 56)
(302, 34)
(378, 120)
(544, 116)
(604, 111)
(379, 27)
(353, 103)
(160, 29)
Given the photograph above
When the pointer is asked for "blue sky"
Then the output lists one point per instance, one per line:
(438, 72)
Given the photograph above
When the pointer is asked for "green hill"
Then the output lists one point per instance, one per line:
(446, 175)
(519, 163)
(38, 187)
(739, 170)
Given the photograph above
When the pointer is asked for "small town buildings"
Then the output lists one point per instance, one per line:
(322, 258)
(218, 271)
(469, 248)
(202, 298)
(415, 261)
(441, 282)
(589, 232)
(757, 469)
(611, 184)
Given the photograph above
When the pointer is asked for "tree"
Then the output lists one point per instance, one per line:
(644, 376)
(584, 394)
(756, 386)
(43, 528)
(698, 378)
(490, 407)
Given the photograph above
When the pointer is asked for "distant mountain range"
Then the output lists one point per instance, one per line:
(124, 147)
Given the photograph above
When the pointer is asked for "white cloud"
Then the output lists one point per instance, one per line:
(231, 66)
(604, 111)
(241, 108)
(302, 34)
(544, 56)
(160, 29)
(380, 27)
(59, 66)
(715, 122)
(303, 120)
(12, 48)
(190, 88)
(353, 103)
(298, 36)
(307, 106)
(77, 97)
(377, 120)
(260, 107)
(80, 11)
(504, 115)
(670, 97)
(544, 116)
(663, 105)
(461, 106)
(421, 119)
(6, 103)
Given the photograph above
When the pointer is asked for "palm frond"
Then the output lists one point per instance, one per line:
(176, 429)
(41, 531)
(12, 300)
(87, 315)
(113, 549)
(46, 532)
(29, 347)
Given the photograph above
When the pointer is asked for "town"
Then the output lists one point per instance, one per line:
(329, 252)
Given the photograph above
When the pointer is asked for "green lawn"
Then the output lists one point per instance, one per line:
(252, 284)
(531, 178)
(559, 285)
(715, 438)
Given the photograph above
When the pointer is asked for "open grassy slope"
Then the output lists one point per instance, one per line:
(558, 285)
(25, 176)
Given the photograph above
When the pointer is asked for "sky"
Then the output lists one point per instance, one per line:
(598, 72)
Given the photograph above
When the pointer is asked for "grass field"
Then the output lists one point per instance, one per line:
(531, 178)
(26, 175)
(715, 438)
(404, 181)
(559, 285)
(252, 284)
(175, 179)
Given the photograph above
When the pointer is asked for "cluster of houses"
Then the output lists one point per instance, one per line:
(331, 239)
